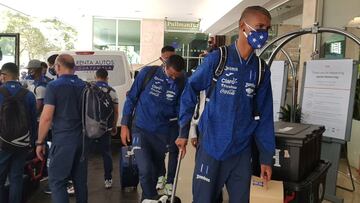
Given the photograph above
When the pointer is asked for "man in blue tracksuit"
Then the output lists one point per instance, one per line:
(228, 123)
(154, 107)
(12, 162)
(67, 157)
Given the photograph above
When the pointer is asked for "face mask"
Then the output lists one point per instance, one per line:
(256, 38)
(52, 71)
(169, 80)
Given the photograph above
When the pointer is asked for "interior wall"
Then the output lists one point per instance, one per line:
(151, 39)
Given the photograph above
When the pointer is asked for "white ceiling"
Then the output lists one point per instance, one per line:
(209, 11)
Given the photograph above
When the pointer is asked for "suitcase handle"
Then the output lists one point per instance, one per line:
(176, 177)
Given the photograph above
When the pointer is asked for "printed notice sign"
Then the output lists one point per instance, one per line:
(278, 84)
(327, 95)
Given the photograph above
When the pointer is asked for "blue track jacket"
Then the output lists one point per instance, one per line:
(227, 124)
(157, 104)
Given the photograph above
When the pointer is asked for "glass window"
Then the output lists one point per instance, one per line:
(104, 37)
(129, 39)
(188, 45)
(118, 35)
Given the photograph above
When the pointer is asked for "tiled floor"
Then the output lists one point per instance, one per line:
(97, 193)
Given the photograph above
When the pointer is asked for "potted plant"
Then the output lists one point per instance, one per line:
(285, 113)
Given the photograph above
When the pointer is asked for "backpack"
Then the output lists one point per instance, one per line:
(217, 73)
(14, 121)
(97, 110)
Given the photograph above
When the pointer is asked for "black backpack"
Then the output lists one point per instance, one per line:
(220, 70)
(97, 111)
(14, 121)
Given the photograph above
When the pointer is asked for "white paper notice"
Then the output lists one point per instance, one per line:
(277, 84)
(327, 95)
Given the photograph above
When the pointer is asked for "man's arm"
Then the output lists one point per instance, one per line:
(46, 119)
(200, 80)
(132, 97)
(264, 133)
(116, 117)
(44, 126)
(130, 104)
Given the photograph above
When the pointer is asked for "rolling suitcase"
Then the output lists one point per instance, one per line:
(129, 172)
(173, 198)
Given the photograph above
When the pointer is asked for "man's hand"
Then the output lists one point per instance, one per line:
(114, 131)
(181, 144)
(125, 135)
(40, 152)
(266, 172)
(194, 142)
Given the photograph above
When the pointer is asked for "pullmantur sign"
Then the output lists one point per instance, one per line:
(182, 26)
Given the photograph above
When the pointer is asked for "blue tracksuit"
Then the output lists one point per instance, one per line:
(65, 153)
(12, 163)
(227, 124)
(155, 107)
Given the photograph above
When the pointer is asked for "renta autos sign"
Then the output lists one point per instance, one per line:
(94, 65)
(182, 26)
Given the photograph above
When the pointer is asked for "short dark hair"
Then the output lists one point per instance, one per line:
(44, 65)
(10, 68)
(102, 73)
(167, 48)
(52, 58)
(176, 62)
(255, 9)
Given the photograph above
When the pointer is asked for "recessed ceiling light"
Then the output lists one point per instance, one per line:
(137, 11)
(190, 14)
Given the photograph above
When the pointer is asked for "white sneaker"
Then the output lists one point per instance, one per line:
(168, 189)
(108, 184)
(161, 183)
(70, 189)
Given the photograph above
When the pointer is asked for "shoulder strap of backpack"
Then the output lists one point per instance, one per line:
(109, 89)
(5, 92)
(219, 69)
(261, 74)
(149, 75)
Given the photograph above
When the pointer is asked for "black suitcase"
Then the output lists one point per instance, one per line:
(311, 189)
(298, 149)
(129, 172)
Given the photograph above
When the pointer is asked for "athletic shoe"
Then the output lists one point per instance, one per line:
(161, 183)
(70, 188)
(47, 190)
(168, 189)
(108, 184)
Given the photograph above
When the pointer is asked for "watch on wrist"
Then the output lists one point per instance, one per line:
(39, 143)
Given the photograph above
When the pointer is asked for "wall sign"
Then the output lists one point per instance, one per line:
(182, 26)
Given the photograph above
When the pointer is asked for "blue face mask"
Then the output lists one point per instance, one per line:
(256, 38)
